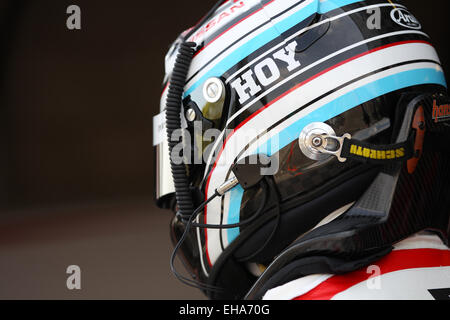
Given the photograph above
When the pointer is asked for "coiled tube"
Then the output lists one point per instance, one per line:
(173, 122)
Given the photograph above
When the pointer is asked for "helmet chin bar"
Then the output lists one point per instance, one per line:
(366, 228)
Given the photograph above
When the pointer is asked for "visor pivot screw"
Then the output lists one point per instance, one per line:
(317, 141)
(213, 90)
(190, 115)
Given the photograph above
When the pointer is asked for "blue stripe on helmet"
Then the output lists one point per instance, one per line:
(234, 212)
(267, 36)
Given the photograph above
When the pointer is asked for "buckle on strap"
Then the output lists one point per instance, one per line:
(318, 142)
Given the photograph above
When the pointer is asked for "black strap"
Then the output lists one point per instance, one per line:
(378, 154)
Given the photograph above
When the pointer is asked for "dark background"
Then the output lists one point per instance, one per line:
(76, 155)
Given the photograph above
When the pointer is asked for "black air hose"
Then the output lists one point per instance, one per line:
(173, 122)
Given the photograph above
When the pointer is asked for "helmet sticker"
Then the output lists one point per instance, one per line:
(441, 112)
(405, 19)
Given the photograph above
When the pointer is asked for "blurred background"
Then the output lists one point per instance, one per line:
(76, 155)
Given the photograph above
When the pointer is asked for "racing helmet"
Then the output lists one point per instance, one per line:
(285, 122)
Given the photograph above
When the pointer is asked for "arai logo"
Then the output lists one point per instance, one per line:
(405, 19)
